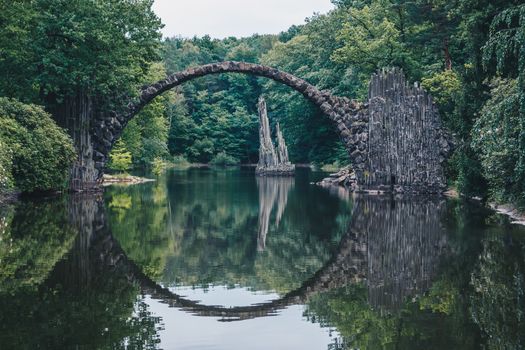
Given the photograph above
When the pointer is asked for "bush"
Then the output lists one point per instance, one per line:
(333, 167)
(180, 160)
(443, 86)
(6, 179)
(223, 159)
(42, 153)
(158, 166)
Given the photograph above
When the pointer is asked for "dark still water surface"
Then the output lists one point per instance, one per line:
(217, 259)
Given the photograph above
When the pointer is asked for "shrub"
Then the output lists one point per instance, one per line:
(6, 179)
(158, 166)
(333, 167)
(42, 153)
(180, 160)
(224, 159)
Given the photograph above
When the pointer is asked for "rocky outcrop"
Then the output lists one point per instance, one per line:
(267, 155)
(282, 150)
(272, 162)
(407, 145)
(344, 177)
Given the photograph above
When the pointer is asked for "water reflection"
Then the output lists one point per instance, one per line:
(65, 301)
(132, 269)
(406, 241)
(273, 192)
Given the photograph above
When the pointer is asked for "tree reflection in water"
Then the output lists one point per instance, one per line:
(439, 276)
(72, 302)
(402, 273)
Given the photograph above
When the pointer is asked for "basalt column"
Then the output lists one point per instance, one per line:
(407, 146)
(272, 162)
(76, 114)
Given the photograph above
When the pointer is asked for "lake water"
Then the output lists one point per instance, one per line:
(220, 259)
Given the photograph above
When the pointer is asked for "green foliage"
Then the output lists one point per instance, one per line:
(198, 227)
(33, 238)
(55, 51)
(215, 113)
(496, 137)
(158, 166)
(506, 48)
(309, 134)
(54, 48)
(224, 159)
(442, 298)
(120, 158)
(371, 39)
(146, 136)
(496, 303)
(444, 86)
(6, 164)
(42, 153)
(202, 150)
(180, 161)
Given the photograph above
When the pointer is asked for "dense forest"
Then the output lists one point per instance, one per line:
(470, 54)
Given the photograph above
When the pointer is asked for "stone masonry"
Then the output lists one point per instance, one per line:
(395, 140)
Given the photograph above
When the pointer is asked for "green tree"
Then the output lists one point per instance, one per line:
(496, 136)
(120, 158)
(506, 109)
(62, 46)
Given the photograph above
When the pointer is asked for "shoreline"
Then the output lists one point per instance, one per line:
(517, 217)
(109, 180)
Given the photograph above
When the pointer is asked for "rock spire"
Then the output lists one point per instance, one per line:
(272, 161)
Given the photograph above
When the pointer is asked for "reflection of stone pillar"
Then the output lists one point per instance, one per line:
(272, 191)
(405, 242)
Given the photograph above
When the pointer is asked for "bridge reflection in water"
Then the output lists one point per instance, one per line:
(394, 246)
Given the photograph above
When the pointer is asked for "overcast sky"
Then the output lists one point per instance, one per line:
(240, 18)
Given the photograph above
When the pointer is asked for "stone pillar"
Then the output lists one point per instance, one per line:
(272, 162)
(282, 150)
(267, 155)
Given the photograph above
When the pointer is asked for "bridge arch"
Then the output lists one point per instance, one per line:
(340, 111)
(395, 141)
(347, 265)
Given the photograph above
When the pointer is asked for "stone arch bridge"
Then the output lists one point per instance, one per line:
(395, 140)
